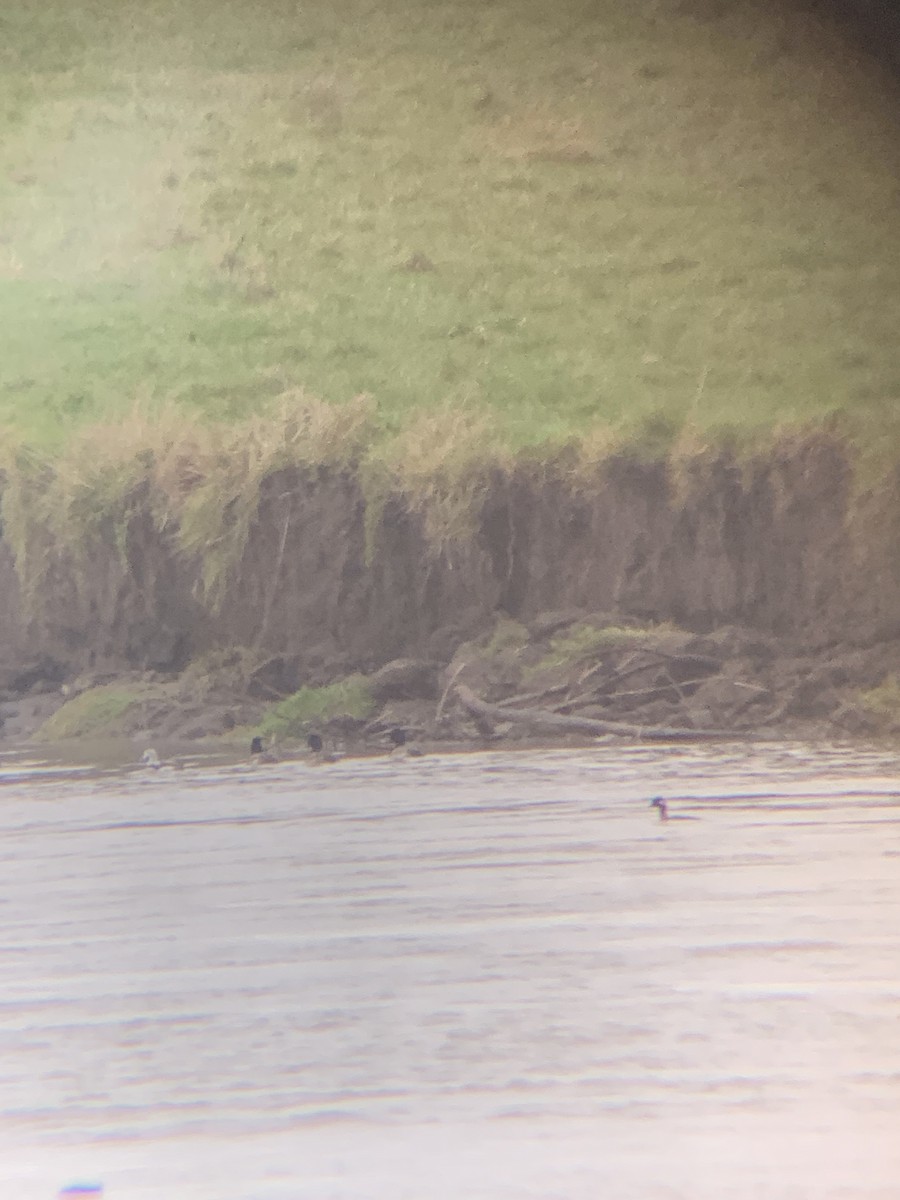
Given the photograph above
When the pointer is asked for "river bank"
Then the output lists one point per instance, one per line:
(704, 593)
(631, 682)
(312, 635)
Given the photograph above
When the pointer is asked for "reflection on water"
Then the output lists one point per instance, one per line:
(487, 976)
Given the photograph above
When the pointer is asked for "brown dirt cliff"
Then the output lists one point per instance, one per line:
(783, 544)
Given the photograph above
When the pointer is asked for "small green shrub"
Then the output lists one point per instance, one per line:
(350, 697)
(884, 701)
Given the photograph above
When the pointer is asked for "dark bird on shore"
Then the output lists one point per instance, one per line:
(403, 747)
(259, 753)
(318, 753)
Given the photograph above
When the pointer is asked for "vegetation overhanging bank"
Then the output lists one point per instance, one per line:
(213, 571)
(299, 533)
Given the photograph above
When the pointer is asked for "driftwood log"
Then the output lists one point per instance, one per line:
(543, 721)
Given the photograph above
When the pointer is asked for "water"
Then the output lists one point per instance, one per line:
(491, 976)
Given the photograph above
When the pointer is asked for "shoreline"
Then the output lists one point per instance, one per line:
(572, 679)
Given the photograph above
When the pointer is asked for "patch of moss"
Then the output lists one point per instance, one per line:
(507, 635)
(583, 641)
(884, 701)
(350, 697)
(505, 644)
(97, 711)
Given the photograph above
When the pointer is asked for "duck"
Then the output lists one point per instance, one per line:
(317, 750)
(260, 754)
(403, 748)
(662, 807)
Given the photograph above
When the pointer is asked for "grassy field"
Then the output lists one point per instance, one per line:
(568, 215)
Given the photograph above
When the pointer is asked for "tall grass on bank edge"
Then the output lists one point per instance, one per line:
(201, 483)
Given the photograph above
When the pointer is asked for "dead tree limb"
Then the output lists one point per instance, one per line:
(550, 722)
(638, 693)
(443, 701)
(528, 697)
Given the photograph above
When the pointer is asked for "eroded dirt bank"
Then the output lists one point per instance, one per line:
(785, 549)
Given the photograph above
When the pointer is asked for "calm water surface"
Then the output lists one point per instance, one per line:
(489, 977)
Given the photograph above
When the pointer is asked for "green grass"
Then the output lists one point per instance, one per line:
(883, 702)
(507, 635)
(584, 641)
(310, 706)
(96, 711)
(561, 214)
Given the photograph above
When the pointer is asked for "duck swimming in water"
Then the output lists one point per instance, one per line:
(663, 809)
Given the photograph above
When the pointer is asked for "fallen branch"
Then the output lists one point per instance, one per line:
(276, 576)
(638, 693)
(657, 660)
(551, 722)
(625, 669)
(528, 697)
(440, 708)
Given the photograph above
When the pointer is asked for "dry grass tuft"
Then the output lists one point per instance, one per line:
(215, 517)
(200, 481)
(439, 463)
